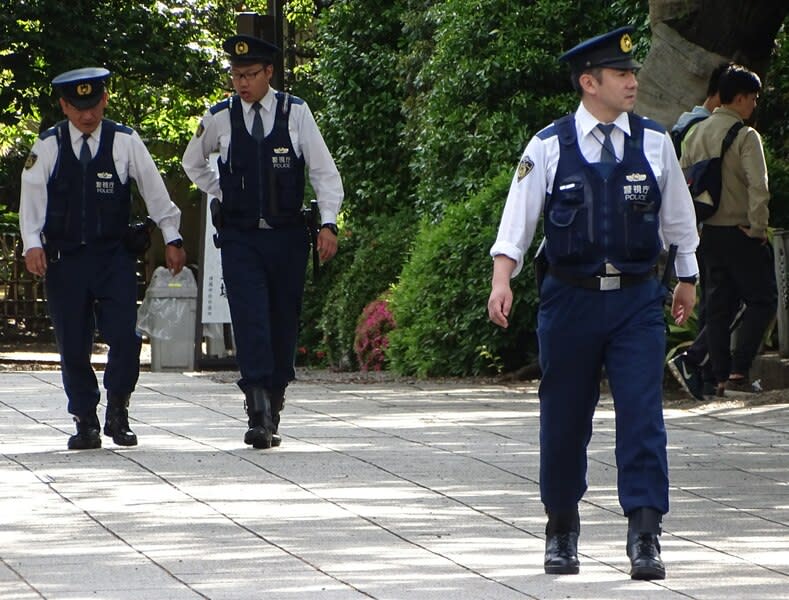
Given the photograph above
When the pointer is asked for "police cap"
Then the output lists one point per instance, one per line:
(82, 88)
(613, 50)
(246, 49)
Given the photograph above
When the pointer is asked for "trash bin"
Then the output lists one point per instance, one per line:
(781, 254)
(167, 315)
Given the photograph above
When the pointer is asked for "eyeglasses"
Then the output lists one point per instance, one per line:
(249, 76)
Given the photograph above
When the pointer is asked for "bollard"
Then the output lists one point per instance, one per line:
(781, 253)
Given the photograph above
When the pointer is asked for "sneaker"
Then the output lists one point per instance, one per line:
(744, 384)
(688, 375)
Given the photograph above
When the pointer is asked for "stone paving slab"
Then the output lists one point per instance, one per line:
(406, 490)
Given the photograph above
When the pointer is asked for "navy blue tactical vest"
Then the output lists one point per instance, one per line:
(261, 179)
(602, 212)
(90, 206)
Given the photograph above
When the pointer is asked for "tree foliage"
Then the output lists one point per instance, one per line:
(165, 57)
(490, 81)
(358, 71)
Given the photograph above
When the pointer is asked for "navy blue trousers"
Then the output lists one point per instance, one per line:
(580, 332)
(264, 272)
(95, 286)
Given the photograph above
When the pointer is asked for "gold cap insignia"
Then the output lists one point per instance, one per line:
(626, 44)
(84, 89)
(525, 167)
(31, 160)
(241, 48)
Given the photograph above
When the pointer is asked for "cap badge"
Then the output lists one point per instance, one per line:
(84, 89)
(242, 48)
(626, 44)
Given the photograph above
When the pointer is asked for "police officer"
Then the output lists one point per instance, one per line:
(265, 140)
(74, 218)
(609, 188)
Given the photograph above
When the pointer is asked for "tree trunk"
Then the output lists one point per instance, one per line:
(691, 37)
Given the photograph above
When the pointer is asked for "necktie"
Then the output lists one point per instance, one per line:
(84, 152)
(607, 155)
(257, 123)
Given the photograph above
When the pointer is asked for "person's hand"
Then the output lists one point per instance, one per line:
(36, 261)
(327, 244)
(174, 258)
(747, 231)
(683, 302)
(500, 304)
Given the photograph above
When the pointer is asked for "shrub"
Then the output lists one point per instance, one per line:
(375, 254)
(371, 341)
(440, 302)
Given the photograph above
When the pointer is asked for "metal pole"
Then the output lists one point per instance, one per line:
(268, 27)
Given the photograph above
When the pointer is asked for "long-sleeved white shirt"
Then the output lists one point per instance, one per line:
(526, 197)
(213, 135)
(132, 160)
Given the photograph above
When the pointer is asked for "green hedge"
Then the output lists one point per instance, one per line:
(440, 302)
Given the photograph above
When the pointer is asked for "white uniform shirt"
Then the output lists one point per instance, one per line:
(526, 197)
(132, 160)
(214, 136)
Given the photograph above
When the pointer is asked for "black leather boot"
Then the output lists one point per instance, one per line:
(277, 404)
(88, 434)
(261, 424)
(561, 543)
(116, 421)
(643, 547)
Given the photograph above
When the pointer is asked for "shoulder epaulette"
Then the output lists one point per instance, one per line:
(293, 99)
(123, 129)
(547, 132)
(653, 125)
(220, 106)
(48, 133)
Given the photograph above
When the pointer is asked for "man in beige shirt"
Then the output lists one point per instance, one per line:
(738, 259)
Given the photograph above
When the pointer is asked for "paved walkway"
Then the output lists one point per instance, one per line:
(388, 491)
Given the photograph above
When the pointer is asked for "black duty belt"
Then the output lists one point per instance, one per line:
(603, 283)
(278, 222)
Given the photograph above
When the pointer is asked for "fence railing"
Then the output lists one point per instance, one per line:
(23, 309)
(23, 302)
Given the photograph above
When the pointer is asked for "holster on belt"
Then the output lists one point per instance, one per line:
(137, 238)
(312, 221)
(540, 264)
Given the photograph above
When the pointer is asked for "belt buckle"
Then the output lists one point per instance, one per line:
(612, 282)
(263, 224)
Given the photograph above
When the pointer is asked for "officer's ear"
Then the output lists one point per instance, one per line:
(589, 81)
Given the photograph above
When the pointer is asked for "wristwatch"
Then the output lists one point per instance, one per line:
(177, 242)
(331, 227)
(692, 279)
